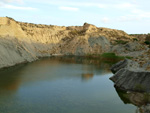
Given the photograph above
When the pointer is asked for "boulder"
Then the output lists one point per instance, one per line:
(132, 49)
(129, 76)
(128, 64)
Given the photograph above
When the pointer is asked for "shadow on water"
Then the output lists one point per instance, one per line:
(141, 100)
(10, 77)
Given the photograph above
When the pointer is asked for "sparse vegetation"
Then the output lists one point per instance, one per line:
(139, 87)
(108, 55)
(77, 32)
(109, 58)
(121, 42)
(114, 56)
(147, 42)
(10, 18)
(135, 39)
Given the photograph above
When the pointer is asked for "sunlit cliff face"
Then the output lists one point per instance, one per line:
(26, 42)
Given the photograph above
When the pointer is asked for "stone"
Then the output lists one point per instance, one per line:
(129, 64)
(129, 76)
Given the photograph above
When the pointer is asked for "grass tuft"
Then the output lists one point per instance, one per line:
(114, 56)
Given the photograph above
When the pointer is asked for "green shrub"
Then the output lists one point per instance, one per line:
(108, 55)
(109, 58)
(147, 42)
(114, 56)
(121, 42)
(135, 39)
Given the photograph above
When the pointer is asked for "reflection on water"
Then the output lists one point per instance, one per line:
(141, 100)
(87, 76)
(57, 85)
(10, 78)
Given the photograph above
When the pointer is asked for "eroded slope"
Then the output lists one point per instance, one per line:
(25, 42)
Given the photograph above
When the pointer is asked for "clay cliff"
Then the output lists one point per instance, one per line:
(26, 42)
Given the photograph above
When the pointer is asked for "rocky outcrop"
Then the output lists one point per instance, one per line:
(133, 49)
(26, 42)
(141, 37)
(130, 76)
(125, 64)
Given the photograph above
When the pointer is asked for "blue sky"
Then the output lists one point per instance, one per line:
(132, 16)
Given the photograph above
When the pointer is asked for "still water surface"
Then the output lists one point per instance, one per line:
(60, 85)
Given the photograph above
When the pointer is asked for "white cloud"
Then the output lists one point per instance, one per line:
(105, 20)
(16, 7)
(12, 1)
(74, 4)
(7, 6)
(141, 13)
(1, 4)
(88, 4)
(102, 4)
(69, 8)
(135, 15)
(124, 5)
(129, 18)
